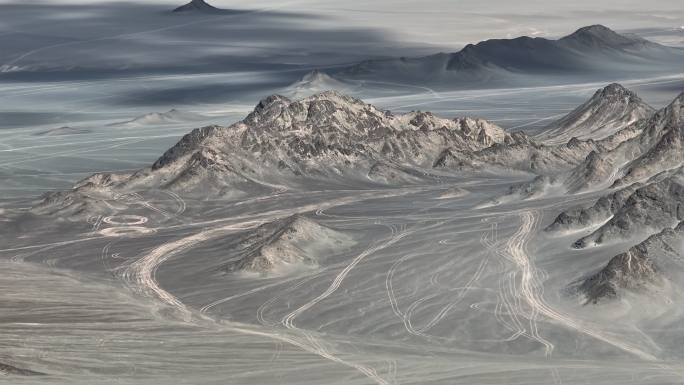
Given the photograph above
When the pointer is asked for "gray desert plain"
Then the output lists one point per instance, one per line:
(317, 192)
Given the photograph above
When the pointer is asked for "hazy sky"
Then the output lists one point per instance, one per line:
(454, 23)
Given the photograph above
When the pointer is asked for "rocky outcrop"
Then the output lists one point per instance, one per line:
(285, 245)
(656, 205)
(638, 269)
(598, 213)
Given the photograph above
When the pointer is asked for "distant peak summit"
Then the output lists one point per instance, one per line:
(600, 36)
(196, 5)
(315, 82)
(315, 74)
(596, 29)
(318, 77)
(615, 90)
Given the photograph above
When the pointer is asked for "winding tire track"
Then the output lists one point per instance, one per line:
(530, 291)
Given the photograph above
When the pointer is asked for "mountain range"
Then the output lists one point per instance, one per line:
(325, 137)
(331, 139)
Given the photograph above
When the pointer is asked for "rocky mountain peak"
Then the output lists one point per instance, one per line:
(609, 110)
(269, 106)
(319, 111)
(335, 97)
(271, 100)
(614, 89)
(615, 92)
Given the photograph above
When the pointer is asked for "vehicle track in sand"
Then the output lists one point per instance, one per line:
(527, 290)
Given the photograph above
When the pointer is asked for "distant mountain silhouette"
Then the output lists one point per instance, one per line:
(599, 36)
(197, 5)
(588, 51)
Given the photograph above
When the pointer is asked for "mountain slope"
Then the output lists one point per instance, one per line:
(660, 147)
(639, 151)
(649, 186)
(644, 205)
(606, 112)
(633, 153)
(649, 208)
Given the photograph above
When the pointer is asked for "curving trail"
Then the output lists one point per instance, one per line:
(288, 319)
(530, 290)
(141, 273)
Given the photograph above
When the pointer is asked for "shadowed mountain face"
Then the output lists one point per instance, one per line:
(521, 54)
(587, 52)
